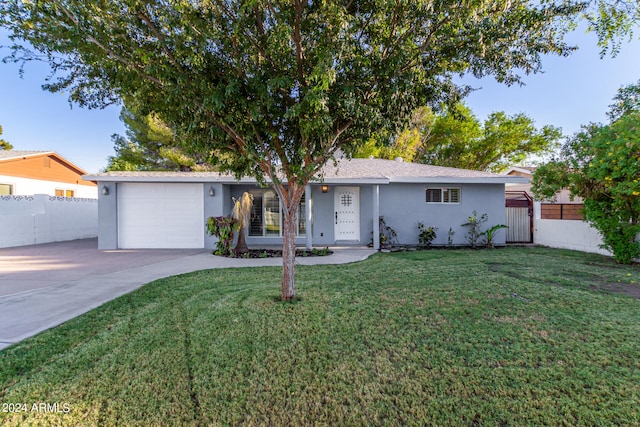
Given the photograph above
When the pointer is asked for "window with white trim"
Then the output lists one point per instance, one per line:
(6, 189)
(63, 192)
(266, 218)
(443, 195)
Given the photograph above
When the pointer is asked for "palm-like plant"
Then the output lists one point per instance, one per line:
(241, 212)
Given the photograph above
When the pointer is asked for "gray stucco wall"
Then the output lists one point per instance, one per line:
(108, 216)
(404, 205)
(214, 206)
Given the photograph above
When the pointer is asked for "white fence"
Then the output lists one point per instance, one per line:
(28, 220)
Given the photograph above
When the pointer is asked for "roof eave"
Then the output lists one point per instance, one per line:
(167, 179)
(460, 180)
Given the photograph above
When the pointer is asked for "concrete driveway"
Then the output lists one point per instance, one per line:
(27, 268)
(45, 285)
(42, 286)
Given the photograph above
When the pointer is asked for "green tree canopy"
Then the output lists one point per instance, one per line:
(613, 21)
(601, 164)
(4, 145)
(456, 138)
(282, 85)
(151, 145)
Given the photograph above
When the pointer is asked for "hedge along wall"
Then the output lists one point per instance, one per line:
(28, 220)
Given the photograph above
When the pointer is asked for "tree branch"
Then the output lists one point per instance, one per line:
(108, 51)
(159, 36)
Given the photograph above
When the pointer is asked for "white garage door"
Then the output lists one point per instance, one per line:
(160, 216)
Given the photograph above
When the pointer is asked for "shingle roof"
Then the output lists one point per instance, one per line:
(354, 170)
(16, 154)
(379, 168)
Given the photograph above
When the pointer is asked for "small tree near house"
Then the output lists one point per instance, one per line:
(241, 213)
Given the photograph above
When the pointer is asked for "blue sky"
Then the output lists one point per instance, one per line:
(572, 91)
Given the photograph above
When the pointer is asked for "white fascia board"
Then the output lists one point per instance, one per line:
(168, 179)
(351, 181)
(455, 180)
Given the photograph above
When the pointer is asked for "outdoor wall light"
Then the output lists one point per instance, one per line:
(212, 192)
(105, 190)
(325, 188)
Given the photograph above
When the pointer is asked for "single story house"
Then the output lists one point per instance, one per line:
(25, 173)
(169, 209)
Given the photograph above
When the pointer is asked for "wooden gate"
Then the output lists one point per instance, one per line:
(519, 214)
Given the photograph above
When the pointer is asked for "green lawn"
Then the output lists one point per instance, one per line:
(518, 336)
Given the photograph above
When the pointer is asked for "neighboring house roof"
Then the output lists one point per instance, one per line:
(521, 170)
(363, 171)
(52, 167)
(20, 154)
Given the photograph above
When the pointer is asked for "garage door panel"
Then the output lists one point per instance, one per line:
(160, 215)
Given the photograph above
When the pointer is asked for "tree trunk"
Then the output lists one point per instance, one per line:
(289, 255)
(241, 244)
(290, 198)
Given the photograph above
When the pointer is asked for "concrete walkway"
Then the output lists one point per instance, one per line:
(42, 286)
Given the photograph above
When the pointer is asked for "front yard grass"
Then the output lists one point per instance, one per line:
(515, 336)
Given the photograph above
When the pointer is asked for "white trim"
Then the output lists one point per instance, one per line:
(308, 197)
(376, 216)
(12, 187)
(442, 202)
(262, 192)
(352, 181)
(456, 180)
(206, 178)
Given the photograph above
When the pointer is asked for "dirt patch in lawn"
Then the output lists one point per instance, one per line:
(626, 289)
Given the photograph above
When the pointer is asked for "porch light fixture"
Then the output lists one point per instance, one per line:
(325, 188)
(105, 190)
(212, 192)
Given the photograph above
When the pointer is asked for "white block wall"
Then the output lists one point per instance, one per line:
(29, 220)
(29, 187)
(566, 234)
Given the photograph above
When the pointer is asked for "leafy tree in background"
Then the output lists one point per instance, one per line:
(456, 138)
(150, 145)
(276, 88)
(4, 145)
(601, 164)
(406, 144)
(612, 21)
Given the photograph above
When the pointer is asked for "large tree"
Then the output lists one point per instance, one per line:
(151, 145)
(4, 145)
(456, 138)
(601, 164)
(282, 84)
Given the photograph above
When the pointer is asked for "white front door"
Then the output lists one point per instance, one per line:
(346, 205)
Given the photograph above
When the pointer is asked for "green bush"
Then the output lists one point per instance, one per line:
(223, 228)
(426, 235)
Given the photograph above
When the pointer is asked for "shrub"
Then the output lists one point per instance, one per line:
(475, 233)
(388, 235)
(426, 235)
(222, 227)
